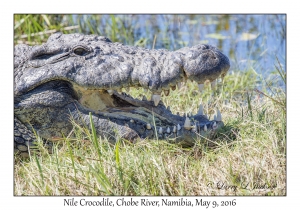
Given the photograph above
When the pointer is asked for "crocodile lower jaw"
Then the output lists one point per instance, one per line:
(112, 103)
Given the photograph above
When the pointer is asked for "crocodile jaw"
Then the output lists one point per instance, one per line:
(96, 70)
(157, 120)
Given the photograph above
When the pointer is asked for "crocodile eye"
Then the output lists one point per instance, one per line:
(80, 51)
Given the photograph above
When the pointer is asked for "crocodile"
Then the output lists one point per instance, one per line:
(79, 78)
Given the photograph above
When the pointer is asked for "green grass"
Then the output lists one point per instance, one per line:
(250, 150)
(34, 29)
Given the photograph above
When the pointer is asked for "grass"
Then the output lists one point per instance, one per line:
(249, 152)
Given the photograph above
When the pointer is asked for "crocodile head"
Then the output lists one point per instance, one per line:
(73, 75)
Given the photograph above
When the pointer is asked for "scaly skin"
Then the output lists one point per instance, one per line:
(72, 75)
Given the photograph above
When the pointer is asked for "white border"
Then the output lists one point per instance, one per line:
(8, 8)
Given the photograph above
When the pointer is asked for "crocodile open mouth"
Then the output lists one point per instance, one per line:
(152, 114)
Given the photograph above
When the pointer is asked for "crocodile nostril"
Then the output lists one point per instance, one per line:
(204, 47)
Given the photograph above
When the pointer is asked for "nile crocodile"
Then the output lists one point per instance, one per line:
(73, 75)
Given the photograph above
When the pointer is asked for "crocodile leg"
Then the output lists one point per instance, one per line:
(24, 139)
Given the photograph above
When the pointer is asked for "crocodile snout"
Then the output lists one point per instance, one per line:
(205, 62)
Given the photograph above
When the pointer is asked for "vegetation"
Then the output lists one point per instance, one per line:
(248, 157)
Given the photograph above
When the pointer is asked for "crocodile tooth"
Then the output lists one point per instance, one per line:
(174, 129)
(148, 126)
(194, 129)
(179, 85)
(187, 123)
(219, 116)
(215, 117)
(168, 130)
(201, 87)
(144, 98)
(222, 77)
(215, 125)
(110, 92)
(166, 92)
(205, 128)
(156, 99)
(178, 127)
(160, 131)
(200, 109)
(213, 84)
